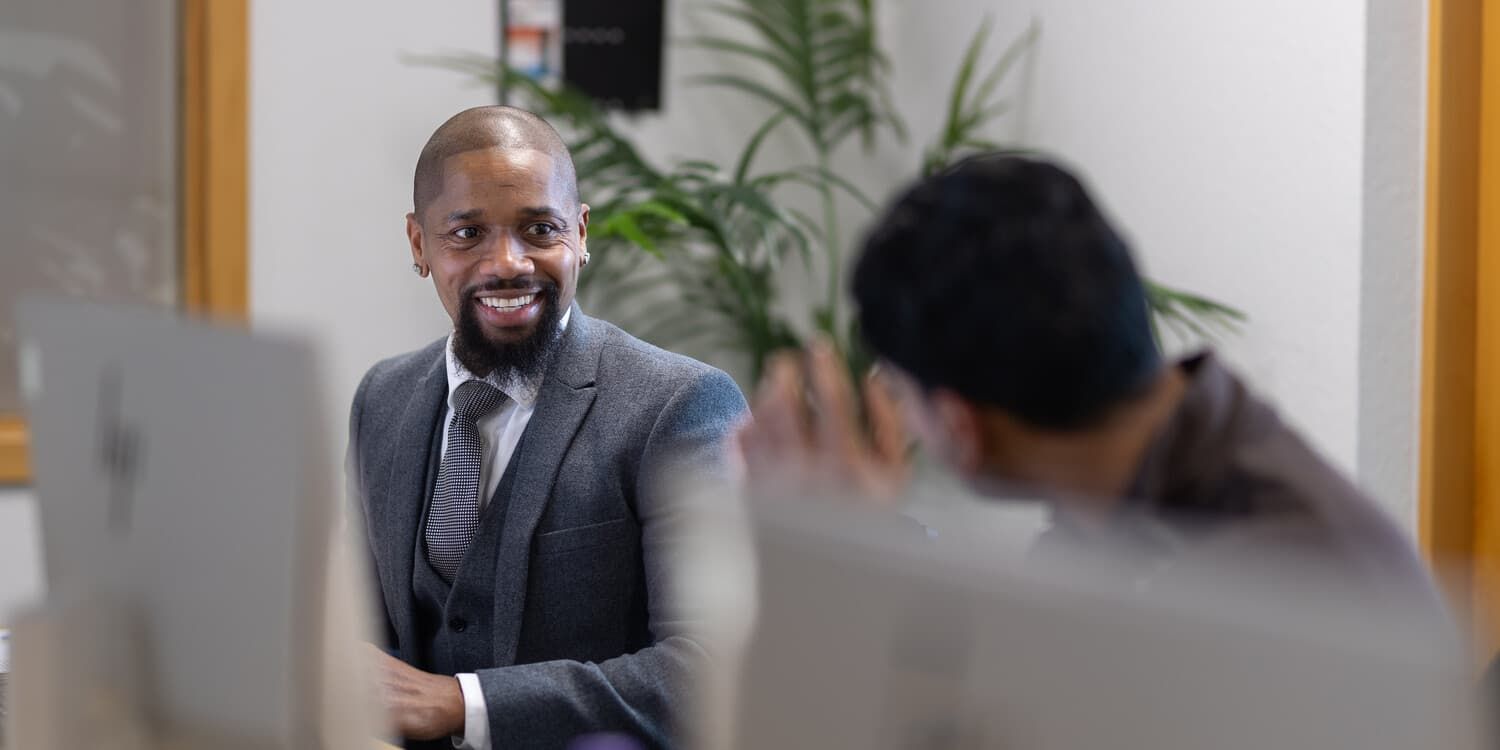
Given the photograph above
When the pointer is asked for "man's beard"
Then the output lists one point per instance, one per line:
(526, 359)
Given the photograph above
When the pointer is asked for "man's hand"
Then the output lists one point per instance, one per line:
(421, 706)
(806, 431)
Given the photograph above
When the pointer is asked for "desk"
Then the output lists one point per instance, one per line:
(5, 674)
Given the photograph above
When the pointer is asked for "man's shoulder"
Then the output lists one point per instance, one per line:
(625, 359)
(403, 370)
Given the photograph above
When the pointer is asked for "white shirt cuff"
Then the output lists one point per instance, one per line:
(476, 715)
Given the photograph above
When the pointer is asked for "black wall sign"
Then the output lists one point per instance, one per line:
(612, 50)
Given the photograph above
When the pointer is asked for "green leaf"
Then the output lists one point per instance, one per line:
(821, 179)
(970, 107)
(761, 23)
(1019, 46)
(625, 225)
(830, 61)
(960, 92)
(787, 68)
(760, 91)
(824, 323)
(657, 208)
(1188, 315)
(698, 165)
(742, 168)
(851, 122)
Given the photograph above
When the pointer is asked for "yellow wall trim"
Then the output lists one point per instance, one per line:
(1460, 426)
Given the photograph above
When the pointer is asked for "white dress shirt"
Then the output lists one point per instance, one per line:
(499, 432)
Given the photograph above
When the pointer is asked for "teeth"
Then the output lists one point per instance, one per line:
(507, 304)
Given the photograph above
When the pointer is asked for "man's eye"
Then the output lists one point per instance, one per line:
(540, 230)
(465, 233)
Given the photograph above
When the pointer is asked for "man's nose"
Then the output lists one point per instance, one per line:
(508, 257)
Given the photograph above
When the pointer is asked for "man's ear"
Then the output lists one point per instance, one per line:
(962, 426)
(414, 236)
(583, 225)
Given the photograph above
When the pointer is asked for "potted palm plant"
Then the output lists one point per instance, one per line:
(706, 242)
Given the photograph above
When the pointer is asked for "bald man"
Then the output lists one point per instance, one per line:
(509, 475)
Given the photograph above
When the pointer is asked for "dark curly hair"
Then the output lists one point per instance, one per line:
(999, 279)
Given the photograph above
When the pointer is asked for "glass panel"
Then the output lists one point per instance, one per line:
(88, 156)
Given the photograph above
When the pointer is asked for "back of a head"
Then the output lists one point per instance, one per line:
(1000, 280)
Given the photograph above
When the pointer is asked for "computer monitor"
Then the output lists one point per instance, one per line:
(180, 469)
(867, 635)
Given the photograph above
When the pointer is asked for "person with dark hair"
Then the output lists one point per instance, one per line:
(1013, 334)
(510, 476)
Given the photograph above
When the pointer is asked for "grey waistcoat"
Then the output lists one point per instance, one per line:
(454, 632)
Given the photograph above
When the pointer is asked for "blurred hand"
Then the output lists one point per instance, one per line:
(421, 706)
(805, 433)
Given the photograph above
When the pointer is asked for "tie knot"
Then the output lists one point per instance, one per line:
(475, 399)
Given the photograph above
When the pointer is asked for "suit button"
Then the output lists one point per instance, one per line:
(458, 624)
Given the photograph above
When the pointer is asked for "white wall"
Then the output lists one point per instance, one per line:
(1267, 153)
(336, 122)
(1226, 138)
(1229, 139)
(1391, 274)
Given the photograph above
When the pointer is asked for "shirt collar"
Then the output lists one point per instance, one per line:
(522, 391)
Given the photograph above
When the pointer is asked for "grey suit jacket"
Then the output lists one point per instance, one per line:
(584, 637)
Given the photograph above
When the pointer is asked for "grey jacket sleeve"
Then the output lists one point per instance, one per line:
(547, 704)
(354, 516)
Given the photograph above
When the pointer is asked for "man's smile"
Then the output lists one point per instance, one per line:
(510, 308)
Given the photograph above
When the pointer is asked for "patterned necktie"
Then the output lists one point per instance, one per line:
(453, 519)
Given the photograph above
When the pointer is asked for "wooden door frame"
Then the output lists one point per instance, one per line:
(1460, 425)
(213, 186)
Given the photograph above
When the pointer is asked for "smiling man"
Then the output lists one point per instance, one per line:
(509, 475)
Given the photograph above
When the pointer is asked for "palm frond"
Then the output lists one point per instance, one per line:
(972, 106)
(1190, 316)
(820, 178)
(824, 58)
(747, 157)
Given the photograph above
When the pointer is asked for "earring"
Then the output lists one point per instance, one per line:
(418, 270)
(585, 257)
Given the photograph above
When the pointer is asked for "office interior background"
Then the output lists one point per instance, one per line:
(1274, 155)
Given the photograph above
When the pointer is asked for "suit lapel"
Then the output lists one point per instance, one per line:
(566, 395)
(408, 484)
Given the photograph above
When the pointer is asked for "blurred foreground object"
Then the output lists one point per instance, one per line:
(865, 635)
(198, 594)
(1490, 701)
(4, 678)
